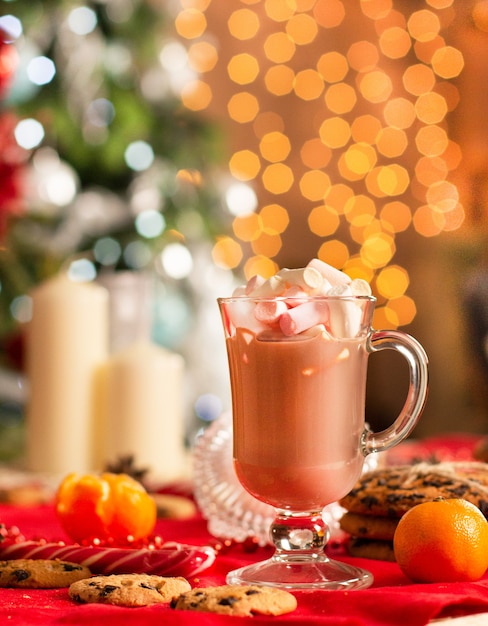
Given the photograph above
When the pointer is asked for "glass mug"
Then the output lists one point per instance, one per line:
(299, 432)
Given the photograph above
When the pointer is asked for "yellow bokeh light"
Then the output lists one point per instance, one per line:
(308, 84)
(392, 281)
(244, 165)
(315, 154)
(274, 146)
(376, 9)
(363, 56)
(196, 95)
(399, 113)
(355, 268)
(338, 197)
(448, 62)
(278, 178)
(425, 50)
(428, 222)
(403, 309)
(396, 216)
(243, 68)
(430, 170)
(360, 158)
(393, 179)
(323, 221)
(329, 13)
(333, 67)
(335, 132)
(279, 47)
(243, 107)
(340, 98)
(375, 86)
(227, 253)
(247, 227)
(314, 185)
(360, 210)
(202, 56)
(334, 252)
(267, 245)
(243, 24)
(431, 140)
(377, 250)
(365, 129)
(260, 266)
(274, 218)
(280, 10)
(479, 14)
(302, 29)
(392, 142)
(395, 42)
(423, 25)
(190, 23)
(440, 4)
(418, 79)
(443, 195)
(431, 108)
(381, 319)
(279, 80)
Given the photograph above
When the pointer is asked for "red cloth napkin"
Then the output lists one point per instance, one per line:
(390, 601)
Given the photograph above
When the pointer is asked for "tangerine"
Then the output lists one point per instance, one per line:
(105, 507)
(442, 541)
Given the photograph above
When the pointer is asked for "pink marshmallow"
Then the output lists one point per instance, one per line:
(333, 275)
(268, 311)
(303, 317)
(294, 296)
(253, 283)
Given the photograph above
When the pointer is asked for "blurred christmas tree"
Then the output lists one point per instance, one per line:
(98, 154)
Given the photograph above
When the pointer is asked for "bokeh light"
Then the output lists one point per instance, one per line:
(341, 119)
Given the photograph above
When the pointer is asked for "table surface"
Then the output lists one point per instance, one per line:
(391, 600)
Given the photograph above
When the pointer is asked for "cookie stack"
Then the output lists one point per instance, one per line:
(381, 497)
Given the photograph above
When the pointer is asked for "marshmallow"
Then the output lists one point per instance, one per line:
(360, 287)
(340, 290)
(268, 311)
(307, 278)
(253, 283)
(333, 275)
(274, 286)
(239, 291)
(294, 296)
(304, 316)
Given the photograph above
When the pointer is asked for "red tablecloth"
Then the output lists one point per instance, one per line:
(392, 599)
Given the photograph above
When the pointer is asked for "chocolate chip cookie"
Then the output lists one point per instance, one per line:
(241, 600)
(40, 573)
(391, 492)
(129, 590)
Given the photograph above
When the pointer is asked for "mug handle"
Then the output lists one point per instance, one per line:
(406, 421)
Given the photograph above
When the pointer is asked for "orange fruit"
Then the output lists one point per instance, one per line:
(442, 541)
(105, 507)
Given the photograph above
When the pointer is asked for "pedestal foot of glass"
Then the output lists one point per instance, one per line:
(302, 574)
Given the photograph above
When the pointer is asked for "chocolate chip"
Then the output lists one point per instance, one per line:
(145, 586)
(252, 592)
(69, 567)
(107, 590)
(20, 574)
(228, 601)
(369, 501)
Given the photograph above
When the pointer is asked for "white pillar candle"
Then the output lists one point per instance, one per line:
(67, 339)
(143, 387)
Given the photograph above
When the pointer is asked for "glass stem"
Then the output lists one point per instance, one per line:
(299, 534)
